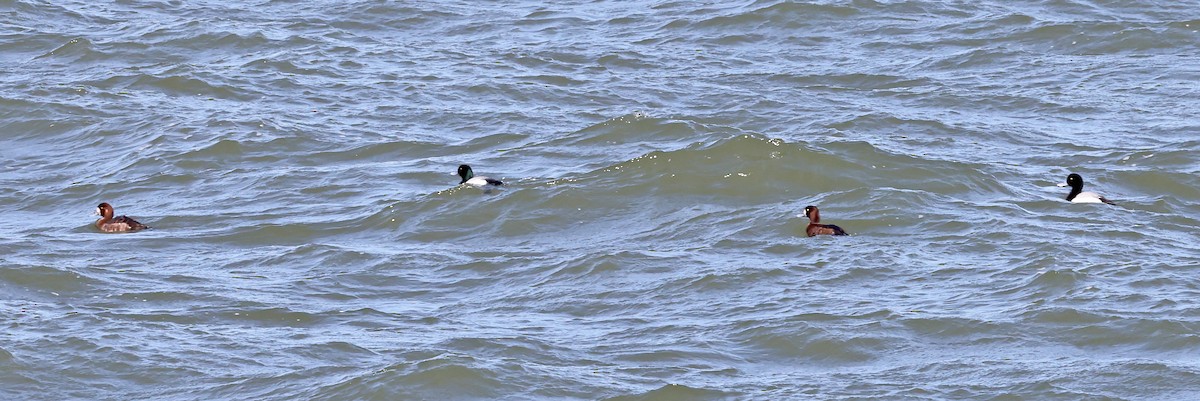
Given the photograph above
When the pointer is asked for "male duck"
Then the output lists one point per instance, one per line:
(469, 178)
(1075, 181)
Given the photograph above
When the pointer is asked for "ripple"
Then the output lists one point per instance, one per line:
(311, 240)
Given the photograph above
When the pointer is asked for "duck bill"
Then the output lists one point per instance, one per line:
(1062, 184)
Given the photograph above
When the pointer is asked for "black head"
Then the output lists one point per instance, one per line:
(465, 172)
(1075, 181)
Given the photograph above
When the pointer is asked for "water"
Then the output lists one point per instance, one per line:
(296, 161)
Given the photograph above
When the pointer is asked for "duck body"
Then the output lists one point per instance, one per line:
(469, 178)
(815, 228)
(119, 224)
(1077, 195)
(1089, 197)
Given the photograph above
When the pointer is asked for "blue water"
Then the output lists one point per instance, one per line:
(297, 159)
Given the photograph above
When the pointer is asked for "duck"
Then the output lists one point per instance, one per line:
(469, 178)
(109, 224)
(814, 226)
(1075, 181)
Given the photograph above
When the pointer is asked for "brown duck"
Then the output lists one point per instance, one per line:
(814, 228)
(119, 224)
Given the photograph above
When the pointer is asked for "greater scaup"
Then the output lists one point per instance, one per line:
(1075, 181)
(110, 224)
(469, 178)
(814, 228)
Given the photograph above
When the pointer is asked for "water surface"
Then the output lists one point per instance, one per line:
(296, 161)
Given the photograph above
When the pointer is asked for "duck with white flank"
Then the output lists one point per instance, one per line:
(469, 178)
(1075, 181)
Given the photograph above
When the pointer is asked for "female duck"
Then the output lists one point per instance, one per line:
(469, 178)
(1075, 181)
(814, 226)
(119, 224)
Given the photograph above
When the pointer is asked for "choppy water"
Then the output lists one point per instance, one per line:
(296, 160)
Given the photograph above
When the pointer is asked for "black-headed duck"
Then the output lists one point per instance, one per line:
(1075, 181)
(469, 178)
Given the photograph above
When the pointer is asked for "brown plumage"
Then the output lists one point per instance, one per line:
(814, 217)
(110, 224)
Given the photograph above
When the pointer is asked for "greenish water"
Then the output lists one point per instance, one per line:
(297, 159)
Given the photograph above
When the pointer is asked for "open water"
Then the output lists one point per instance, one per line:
(296, 161)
